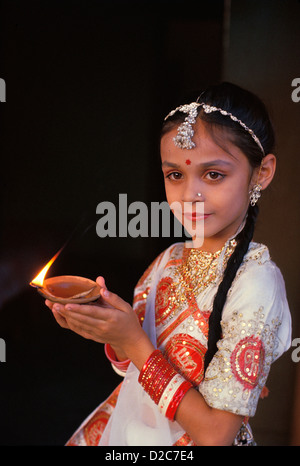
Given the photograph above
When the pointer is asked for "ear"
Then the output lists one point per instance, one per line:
(265, 174)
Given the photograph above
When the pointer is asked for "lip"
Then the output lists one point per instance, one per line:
(195, 216)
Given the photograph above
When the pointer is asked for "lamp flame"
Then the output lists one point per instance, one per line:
(39, 279)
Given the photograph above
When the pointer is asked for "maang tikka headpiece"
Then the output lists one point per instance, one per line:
(185, 131)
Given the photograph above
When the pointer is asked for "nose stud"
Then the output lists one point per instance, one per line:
(199, 194)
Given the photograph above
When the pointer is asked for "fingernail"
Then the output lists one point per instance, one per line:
(106, 293)
(57, 307)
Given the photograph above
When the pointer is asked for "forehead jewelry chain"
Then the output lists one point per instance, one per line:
(185, 131)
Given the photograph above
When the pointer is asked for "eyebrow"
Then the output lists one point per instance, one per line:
(204, 165)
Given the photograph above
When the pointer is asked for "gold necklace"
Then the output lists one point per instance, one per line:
(197, 270)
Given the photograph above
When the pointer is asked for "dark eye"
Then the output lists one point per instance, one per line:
(174, 176)
(213, 176)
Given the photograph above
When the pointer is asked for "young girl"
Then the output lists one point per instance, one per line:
(207, 322)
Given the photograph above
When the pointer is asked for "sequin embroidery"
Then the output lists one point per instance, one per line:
(187, 356)
(247, 361)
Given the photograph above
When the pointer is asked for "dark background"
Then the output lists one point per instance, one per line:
(88, 84)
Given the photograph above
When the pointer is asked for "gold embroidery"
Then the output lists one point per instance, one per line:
(201, 320)
(197, 270)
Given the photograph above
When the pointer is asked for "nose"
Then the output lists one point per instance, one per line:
(193, 192)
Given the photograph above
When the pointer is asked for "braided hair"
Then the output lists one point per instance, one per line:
(243, 240)
(248, 108)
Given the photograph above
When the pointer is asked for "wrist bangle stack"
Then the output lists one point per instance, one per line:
(163, 384)
(111, 356)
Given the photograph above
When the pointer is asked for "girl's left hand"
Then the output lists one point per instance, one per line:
(113, 321)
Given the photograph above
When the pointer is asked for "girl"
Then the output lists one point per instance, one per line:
(207, 321)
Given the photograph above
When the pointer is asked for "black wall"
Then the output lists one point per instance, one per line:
(87, 86)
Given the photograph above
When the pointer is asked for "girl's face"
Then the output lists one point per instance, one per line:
(224, 178)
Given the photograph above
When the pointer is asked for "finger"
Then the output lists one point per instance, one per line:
(81, 324)
(85, 328)
(49, 304)
(94, 311)
(115, 301)
(60, 319)
(83, 320)
(74, 327)
(110, 301)
(101, 282)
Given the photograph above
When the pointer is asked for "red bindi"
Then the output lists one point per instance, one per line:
(188, 162)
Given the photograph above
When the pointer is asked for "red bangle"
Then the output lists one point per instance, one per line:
(111, 356)
(150, 359)
(163, 384)
(150, 367)
(177, 398)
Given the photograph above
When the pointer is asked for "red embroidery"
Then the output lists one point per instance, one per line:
(187, 356)
(94, 430)
(173, 262)
(200, 317)
(247, 361)
(140, 311)
(184, 441)
(163, 304)
(141, 296)
(139, 304)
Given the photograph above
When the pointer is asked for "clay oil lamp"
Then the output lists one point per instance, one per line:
(65, 288)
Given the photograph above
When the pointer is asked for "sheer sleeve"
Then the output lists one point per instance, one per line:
(256, 330)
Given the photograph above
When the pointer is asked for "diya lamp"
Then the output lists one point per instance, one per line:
(65, 288)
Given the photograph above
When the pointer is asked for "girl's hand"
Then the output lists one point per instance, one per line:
(110, 320)
(57, 309)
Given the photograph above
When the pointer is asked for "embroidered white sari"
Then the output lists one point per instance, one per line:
(256, 330)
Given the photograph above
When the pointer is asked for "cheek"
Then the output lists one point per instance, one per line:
(171, 192)
(234, 196)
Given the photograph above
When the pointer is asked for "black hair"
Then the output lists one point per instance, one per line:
(243, 240)
(249, 109)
